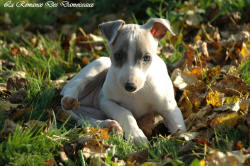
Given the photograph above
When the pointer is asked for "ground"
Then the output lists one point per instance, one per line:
(208, 61)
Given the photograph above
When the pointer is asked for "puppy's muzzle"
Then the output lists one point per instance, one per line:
(130, 87)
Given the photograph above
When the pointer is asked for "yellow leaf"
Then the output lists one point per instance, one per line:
(202, 163)
(226, 120)
(213, 98)
(114, 164)
(198, 72)
(197, 37)
(148, 164)
(104, 133)
(232, 100)
(245, 52)
(129, 163)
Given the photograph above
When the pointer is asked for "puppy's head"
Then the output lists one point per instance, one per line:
(133, 48)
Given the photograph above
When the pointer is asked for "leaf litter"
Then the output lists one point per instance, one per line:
(210, 91)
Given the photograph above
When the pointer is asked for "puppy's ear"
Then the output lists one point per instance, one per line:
(110, 29)
(158, 27)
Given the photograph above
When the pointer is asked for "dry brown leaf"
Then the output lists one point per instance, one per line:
(231, 85)
(148, 122)
(95, 148)
(181, 79)
(189, 56)
(14, 51)
(20, 113)
(50, 162)
(85, 61)
(138, 157)
(185, 105)
(61, 115)
(18, 97)
(234, 158)
(212, 73)
(192, 98)
(16, 82)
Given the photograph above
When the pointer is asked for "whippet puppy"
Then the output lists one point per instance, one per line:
(114, 92)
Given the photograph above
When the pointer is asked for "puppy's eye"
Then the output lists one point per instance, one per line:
(146, 58)
(118, 56)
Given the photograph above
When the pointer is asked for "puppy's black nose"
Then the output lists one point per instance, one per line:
(130, 86)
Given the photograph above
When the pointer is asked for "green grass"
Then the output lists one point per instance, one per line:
(245, 71)
(25, 148)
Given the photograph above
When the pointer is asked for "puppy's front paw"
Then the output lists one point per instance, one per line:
(137, 136)
(70, 103)
(112, 125)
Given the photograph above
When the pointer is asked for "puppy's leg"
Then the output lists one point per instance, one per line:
(174, 120)
(173, 117)
(77, 84)
(125, 118)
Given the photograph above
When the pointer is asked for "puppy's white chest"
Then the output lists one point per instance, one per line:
(139, 103)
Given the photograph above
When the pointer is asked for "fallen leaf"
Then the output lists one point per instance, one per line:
(188, 135)
(129, 163)
(95, 148)
(189, 56)
(24, 51)
(137, 157)
(16, 83)
(103, 133)
(229, 107)
(228, 120)
(61, 115)
(182, 79)
(214, 98)
(14, 51)
(149, 164)
(148, 122)
(18, 97)
(20, 113)
(231, 85)
(202, 162)
(85, 61)
(217, 158)
(50, 162)
(198, 72)
(232, 99)
(212, 73)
